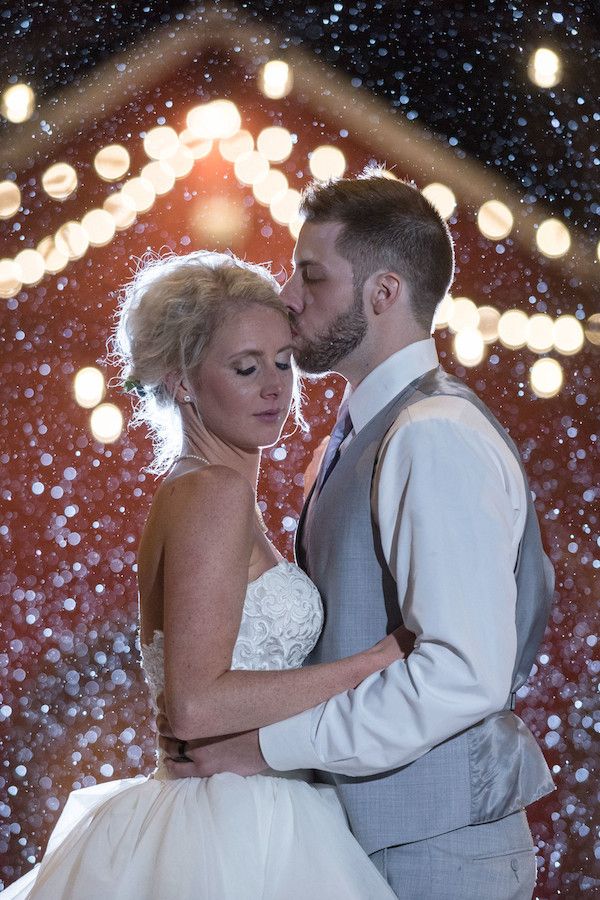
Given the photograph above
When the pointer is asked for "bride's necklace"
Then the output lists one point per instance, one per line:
(257, 508)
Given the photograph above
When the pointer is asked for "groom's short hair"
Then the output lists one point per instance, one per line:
(390, 225)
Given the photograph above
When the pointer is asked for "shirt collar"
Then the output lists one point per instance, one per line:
(387, 380)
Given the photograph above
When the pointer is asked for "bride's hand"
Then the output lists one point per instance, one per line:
(396, 645)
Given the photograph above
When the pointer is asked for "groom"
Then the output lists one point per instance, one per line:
(420, 515)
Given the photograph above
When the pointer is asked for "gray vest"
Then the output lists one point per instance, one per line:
(481, 774)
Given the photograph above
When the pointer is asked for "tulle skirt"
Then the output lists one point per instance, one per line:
(220, 838)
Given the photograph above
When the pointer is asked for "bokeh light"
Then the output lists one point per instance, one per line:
(284, 207)
(10, 278)
(72, 240)
(99, 226)
(198, 147)
(18, 103)
(469, 346)
(267, 188)
(59, 181)
(141, 192)
(463, 314)
(327, 162)
(443, 312)
(251, 167)
(122, 208)
(112, 162)
(10, 199)
(179, 163)
(540, 333)
(89, 387)
(160, 176)
(568, 335)
(546, 377)
(230, 148)
(219, 220)
(161, 142)
(275, 144)
(552, 238)
(544, 68)
(31, 265)
(592, 329)
(513, 328)
(489, 318)
(441, 197)
(55, 259)
(276, 79)
(495, 220)
(106, 423)
(214, 120)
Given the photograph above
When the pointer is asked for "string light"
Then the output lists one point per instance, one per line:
(495, 220)
(441, 197)
(59, 181)
(18, 103)
(89, 387)
(173, 155)
(106, 423)
(276, 79)
(10, 199)
(327, 162)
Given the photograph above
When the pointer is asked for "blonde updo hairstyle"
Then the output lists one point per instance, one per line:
(166, 318)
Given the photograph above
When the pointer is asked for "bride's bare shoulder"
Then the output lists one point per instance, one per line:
(202, 490)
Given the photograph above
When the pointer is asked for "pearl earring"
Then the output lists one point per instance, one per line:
(187, 398)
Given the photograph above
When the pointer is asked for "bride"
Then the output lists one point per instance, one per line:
(225, 621)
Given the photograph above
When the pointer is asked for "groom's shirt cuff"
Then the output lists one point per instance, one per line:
(288, 744)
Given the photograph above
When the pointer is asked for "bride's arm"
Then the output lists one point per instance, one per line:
(208, 543)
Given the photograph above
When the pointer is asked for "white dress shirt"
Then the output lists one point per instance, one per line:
(450, 502)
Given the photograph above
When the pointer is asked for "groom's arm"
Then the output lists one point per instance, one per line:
(451, 506)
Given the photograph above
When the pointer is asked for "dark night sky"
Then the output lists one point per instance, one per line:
(459, 68)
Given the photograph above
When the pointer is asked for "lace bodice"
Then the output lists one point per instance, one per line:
(281, 621)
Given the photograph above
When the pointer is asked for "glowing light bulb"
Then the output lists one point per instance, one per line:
(512, 328)
(546, 377)
(544, 68)
(106, 423)
(276, 79)
(31, 264)
(495, 220)
(469, 346)
(327, 162)
(112, 162)
(10, 278)
(10, 199)
(441, 197)
(568, 335)
(89, 387)
(59, 181)
(18, 103)
(540, 333)
(275, 144)
(552, 238)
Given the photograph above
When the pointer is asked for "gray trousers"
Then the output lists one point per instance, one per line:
(494, 861)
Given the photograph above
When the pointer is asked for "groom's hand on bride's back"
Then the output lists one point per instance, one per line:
(239, 753)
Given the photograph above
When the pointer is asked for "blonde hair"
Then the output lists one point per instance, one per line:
(167, 316)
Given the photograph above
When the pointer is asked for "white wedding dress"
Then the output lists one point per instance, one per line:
(220, 838)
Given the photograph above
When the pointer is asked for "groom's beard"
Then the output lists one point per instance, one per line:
(330, 347)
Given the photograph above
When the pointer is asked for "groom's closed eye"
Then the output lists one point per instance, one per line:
(311, 274)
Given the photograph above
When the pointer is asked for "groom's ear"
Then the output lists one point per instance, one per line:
(387, 289)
